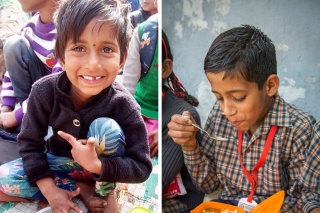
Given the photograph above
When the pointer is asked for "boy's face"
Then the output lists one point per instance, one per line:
(33, 5)
(93, 63)
(148, 5)
(241, 101)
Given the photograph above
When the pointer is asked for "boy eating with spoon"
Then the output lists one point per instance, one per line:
(267, 136)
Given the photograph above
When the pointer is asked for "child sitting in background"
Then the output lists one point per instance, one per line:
(147, 9)
(175, 99)
(140, 75)
(28, 57)
(99, 136)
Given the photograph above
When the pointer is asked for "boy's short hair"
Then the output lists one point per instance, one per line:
(244, 49)
(72, 16)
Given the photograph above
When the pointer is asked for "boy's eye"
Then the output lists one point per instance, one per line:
(107, 50)
(219, 98)
(78, 49)
(239, 99)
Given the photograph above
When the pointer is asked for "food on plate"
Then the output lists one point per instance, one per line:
(212, 210)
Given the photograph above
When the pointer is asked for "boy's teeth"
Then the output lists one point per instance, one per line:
(91, 78)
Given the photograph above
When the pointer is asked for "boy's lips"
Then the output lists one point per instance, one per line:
(236, 123)
(91, 77)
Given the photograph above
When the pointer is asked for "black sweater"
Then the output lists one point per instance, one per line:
(50, 105)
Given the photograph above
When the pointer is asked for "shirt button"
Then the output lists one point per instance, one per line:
(244, 180)
(76, 122)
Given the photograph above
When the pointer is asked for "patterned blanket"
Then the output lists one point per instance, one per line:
(144, 194)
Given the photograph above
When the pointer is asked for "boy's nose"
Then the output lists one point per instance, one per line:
(93, 61)
(229, 109)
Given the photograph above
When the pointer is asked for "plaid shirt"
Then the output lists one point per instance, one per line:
(216, 162)
(311, 175)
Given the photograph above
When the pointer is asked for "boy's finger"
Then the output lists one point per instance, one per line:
(72, 140)
(187, 115)
(76, 208)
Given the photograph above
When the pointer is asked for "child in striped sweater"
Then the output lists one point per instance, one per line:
(28, 57)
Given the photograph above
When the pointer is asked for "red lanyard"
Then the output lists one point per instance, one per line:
(254, 178)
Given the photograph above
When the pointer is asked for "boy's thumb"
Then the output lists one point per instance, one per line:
(75, 193)
(91, 140)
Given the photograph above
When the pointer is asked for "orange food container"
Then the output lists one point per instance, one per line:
(271, 205)
(216, 205)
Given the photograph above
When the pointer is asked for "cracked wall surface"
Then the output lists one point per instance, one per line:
(293, 25)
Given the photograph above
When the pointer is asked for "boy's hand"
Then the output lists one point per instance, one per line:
(182, 132)
(83, 152)
(5, 109)
(60, 200)
(154, 144)
(8, 120)
(316, 210)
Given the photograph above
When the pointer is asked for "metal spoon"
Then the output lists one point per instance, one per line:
(213, 137)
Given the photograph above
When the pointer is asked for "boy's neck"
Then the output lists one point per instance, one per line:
(46, 17)
(47, 10)
(258, 123)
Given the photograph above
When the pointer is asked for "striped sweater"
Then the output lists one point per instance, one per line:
(42, 38)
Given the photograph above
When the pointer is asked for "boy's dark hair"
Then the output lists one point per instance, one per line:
(72, 16)
(177, 88)
(244, 49)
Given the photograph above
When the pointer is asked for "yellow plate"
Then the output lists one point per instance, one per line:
(140, 209)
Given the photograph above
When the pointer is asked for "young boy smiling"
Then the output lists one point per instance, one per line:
(267, 137)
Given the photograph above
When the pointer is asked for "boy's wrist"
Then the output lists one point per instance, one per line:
(45, 185)
(96, 167)
(189, 147)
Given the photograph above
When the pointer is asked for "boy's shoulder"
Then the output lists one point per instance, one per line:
(48, 80)
(121, 92)
(51, 77)
(294, 114)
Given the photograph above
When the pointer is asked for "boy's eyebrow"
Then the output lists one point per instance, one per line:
(230, 91)
(103, 42)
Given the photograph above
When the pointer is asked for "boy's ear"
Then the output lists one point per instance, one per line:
(61, 64)
(167, 67)
(123, 60)
(272, 85)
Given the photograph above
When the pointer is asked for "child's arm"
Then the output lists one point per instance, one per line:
(59, 199)
(198, 165)
(8, 120)
(310, 174)
(13, 118)
(299, 197)
(7, 94)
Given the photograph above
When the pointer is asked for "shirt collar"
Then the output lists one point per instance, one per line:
(278, 114)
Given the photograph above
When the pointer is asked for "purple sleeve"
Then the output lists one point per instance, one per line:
(18, 113)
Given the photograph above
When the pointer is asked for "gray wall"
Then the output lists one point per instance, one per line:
(293, 25)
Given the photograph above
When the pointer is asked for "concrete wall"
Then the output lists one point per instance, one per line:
(293, 25)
